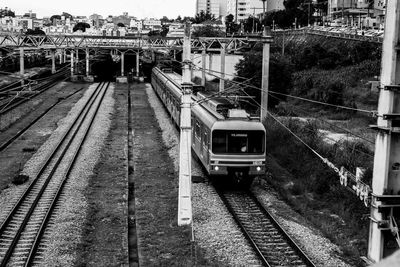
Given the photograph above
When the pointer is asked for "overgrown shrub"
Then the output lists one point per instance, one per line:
(316, 187)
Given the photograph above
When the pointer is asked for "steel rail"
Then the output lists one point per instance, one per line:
(49, 212)
(84, 111)
(247, 232)
(40, 89)
(22, 131)
(11, 248)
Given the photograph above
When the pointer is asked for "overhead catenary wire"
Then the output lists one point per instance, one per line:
(332, 124)
(294, 97)
(259, 105)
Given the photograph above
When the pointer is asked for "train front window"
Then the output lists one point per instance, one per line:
(237, 142)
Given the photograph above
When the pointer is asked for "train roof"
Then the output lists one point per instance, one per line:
(238, 125)
(213, 112)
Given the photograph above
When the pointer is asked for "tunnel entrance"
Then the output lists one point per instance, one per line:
(104, 68)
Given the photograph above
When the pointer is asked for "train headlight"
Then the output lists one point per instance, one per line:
(257, 162)
(216, 168)
(258, 168)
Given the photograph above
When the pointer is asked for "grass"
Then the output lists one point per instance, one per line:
(20, 179)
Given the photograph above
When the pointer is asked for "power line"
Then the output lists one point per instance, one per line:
(291, 96)
(332, 124)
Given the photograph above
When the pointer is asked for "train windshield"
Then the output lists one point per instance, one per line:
(238, 142)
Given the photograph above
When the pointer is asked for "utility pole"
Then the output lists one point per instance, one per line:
(385, 199)
(263, 16)
(185, 154)
(236, 11)
(265, 74)
(222, 79)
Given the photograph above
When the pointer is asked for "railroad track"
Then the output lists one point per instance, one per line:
(272, 244)
(22, 229)
(22, 131)
(9, 103)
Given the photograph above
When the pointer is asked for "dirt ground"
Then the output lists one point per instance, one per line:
(104, 237)
(161, 242)
(13, 158)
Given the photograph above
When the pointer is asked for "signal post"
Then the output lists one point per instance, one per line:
(385, 200)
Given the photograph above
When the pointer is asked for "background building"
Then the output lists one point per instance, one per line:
(242, 9)
(210, 6)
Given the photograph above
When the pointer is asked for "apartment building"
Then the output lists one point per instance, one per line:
(242, 9)
(210, 6)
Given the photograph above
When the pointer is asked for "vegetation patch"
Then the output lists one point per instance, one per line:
(20, 179)
(313, 189)
(29, 149)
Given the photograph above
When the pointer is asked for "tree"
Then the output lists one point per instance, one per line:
(165, 19)
(67, 15)
(187, 18)
(280, 74)
(120, 24)
(208, 31)
(36, 31)
(52, 18)
(231, 26)
(203, 16)
(178, 19)
(164, 31)
(298, 10)
(252, 24)
(6, 13)
(81, 26)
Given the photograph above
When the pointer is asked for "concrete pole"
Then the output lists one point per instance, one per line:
(137, 63)
(87, 62)
(72, 62)
(174, 54)
(65, 55)
(53, 61)
(61, 57)
(222, 79)
(203, 66)
(185, 154)
(21, 62)
(122, 63)
(385, 181)
(265, 76)
(77, 61)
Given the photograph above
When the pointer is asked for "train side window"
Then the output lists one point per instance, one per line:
(205, 139)
(197, 129)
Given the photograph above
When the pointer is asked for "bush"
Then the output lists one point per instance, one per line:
(315, 186)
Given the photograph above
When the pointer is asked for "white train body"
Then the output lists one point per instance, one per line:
(225, 145)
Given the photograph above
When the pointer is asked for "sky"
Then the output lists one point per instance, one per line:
(137, 8)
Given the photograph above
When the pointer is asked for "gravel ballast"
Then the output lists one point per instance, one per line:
(65, 233)
(216, 233)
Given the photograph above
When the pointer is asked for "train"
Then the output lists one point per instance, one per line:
(227, 141)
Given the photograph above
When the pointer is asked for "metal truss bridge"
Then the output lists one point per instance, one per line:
(13, 41)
